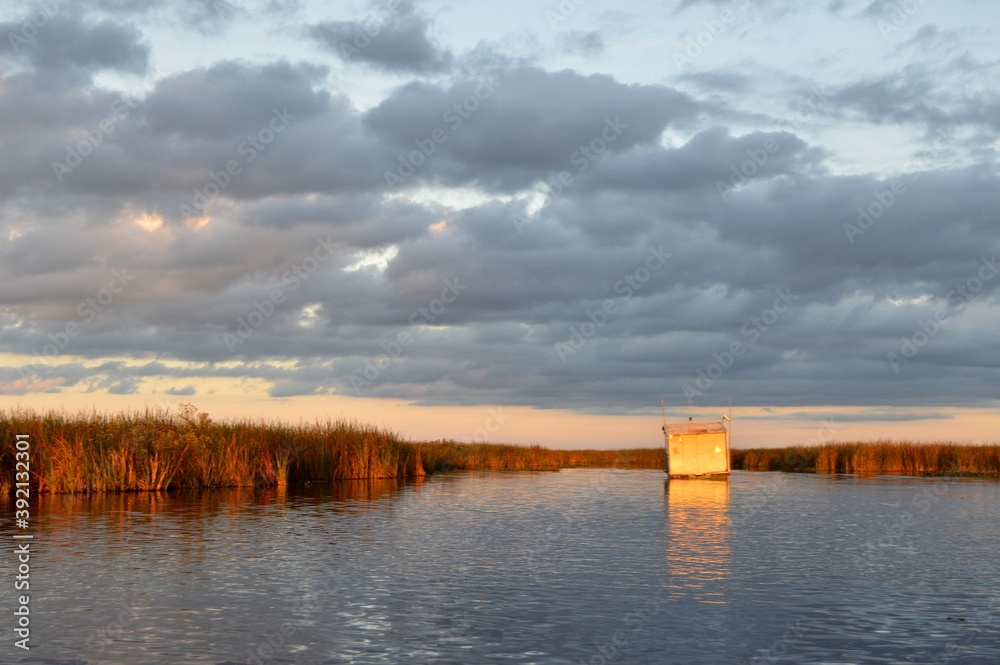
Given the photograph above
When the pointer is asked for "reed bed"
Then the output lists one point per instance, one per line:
(155, 451)
(445, 455)
(875, 457)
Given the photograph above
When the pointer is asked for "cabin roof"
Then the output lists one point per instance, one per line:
(694, 428)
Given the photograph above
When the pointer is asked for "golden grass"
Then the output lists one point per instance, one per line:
(450, 455)
(149, 451)
(154, 451)
(874, 457)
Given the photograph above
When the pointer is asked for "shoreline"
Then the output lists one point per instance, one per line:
(136, 452)
(92, 452)
(880, 457)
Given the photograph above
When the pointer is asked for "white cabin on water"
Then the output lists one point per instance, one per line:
(696, 450)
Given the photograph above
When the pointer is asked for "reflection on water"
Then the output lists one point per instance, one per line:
(578, 566)
(698, 551)
(204, 503)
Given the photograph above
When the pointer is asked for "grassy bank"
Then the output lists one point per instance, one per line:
(876, 457)
(151, 451)
(448, 455)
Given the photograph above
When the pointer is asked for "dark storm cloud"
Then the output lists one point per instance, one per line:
(42, 123)
(393, 37)
(282, 133)
(231, 98)
(712, 162)
(581, 181)
(916, 95)
(509, 129)
(891, 99)
(770, 235)
(361, 221)
(65, 48)
(807, 253)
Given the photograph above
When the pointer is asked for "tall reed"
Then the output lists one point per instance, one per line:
(875, 457)
(448, 455)
(95, 452)
(153, 451)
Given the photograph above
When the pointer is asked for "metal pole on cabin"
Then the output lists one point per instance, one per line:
(666, 450)
(730, 433)
(729, 438)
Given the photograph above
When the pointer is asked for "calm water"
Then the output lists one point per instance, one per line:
(591, 566)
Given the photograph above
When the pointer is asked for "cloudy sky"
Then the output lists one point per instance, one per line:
(512, 221)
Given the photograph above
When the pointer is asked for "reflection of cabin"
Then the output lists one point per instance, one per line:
(699, 549)
(696, 450)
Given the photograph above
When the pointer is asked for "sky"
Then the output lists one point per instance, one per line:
(521, 221)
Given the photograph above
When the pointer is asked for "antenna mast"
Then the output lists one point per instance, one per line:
(730, 419)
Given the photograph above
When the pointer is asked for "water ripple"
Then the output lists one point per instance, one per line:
(579, 566)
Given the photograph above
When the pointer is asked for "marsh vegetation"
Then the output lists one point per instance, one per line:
(875, 457)
(155, 451)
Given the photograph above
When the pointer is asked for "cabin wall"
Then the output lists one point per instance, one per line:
(697, 454)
